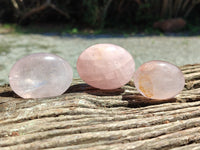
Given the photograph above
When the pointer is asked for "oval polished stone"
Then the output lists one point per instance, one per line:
(40, 75)
(105, 66)
(159, 80)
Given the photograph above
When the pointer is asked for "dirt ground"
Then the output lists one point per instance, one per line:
(178, 50)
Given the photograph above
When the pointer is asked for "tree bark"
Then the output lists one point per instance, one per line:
(85, 118)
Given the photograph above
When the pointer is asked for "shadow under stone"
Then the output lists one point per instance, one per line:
(98, 92)
(138, 100)
(9, 94)
(77, 88)
(93, 91)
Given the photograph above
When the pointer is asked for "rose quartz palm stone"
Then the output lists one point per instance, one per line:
(159, 80)
(40, 75)
(105, 66)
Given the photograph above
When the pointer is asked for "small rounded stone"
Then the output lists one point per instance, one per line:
(105, 66)
(40, 75)
(159, 80)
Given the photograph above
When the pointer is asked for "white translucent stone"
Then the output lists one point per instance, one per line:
(40, 75)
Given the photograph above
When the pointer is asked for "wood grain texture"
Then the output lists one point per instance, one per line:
(85, 118)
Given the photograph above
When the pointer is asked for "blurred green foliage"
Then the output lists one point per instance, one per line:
(98, 14)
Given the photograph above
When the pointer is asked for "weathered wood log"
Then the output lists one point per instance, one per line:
(88, 118)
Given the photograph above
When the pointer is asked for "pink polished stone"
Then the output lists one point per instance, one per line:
(106, 66)
(159, 80)
(40, 75)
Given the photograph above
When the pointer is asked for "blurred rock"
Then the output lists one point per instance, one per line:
(170, 25)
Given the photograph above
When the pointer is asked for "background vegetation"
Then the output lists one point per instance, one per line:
(99, 14)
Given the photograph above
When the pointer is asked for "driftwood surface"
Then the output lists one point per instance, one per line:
(85, 118)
